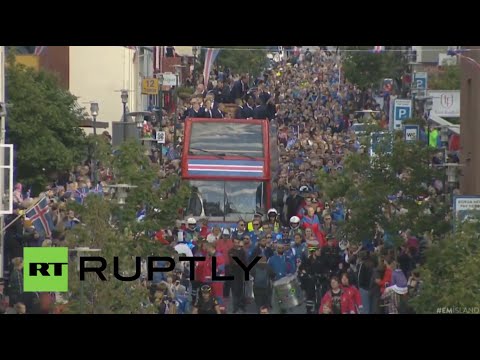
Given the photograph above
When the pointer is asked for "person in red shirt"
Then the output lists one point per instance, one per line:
(387, 275)
(206, 271)
(336, 301)
(352, 292)
(223, 246)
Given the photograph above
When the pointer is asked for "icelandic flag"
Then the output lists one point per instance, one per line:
(39, 50)
(378, 49)
(141, 215)
(41, 218)
(80, 195)
(210, 57)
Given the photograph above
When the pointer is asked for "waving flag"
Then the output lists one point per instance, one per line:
(39, 50)
(141, 215)
(80, 195)
(41, 218)
(378, 49)
(158, 52)
(210, 57)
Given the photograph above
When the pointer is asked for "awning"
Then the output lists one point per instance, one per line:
(442, 122)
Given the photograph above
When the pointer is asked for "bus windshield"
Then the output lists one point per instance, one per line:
(226, 199)
(235, 139)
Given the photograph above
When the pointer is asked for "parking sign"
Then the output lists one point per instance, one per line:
(420, 80)
(402, 110)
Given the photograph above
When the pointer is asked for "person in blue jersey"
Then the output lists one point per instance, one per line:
(261, 249)
(240, 231)
(281, 264)
(256, 233)
(299, 248)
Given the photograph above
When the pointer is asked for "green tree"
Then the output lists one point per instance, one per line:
(451, 274)
(366, 183)
(161, 197)
(368, 69)
(447, 79)
(113, 228)
(43, 123)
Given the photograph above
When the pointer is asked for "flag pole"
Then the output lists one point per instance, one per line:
(19, 216)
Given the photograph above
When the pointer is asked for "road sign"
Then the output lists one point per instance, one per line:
(420, 80)
(411, 132)
(402, 110)
(466, 208)
(160, 137)
(169, 79)
(150, 86)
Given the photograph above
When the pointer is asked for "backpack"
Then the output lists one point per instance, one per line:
(261, 278)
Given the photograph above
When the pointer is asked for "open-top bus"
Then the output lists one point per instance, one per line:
(230, 164)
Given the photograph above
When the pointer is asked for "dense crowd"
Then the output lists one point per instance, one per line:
(306, 96)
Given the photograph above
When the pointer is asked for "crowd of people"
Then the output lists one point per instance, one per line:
(306, 96)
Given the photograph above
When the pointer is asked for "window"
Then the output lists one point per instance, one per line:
(237, 199)
(226, 138)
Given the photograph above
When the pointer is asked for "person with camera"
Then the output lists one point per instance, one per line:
(206, 302)
(311, 274)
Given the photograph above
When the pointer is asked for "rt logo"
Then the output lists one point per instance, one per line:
(45, 269)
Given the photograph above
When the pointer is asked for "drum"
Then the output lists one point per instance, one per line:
(288, 292)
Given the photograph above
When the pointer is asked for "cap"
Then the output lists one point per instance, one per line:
(304, 188)
(226, 232)
(191, 221)
(206, 288)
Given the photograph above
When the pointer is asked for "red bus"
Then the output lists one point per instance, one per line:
(230, 165)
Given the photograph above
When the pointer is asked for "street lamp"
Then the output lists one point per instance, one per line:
(94, 112)
(121, 191)
(194, 51)
(124, 96)
(177, 74)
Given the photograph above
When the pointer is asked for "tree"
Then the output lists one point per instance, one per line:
(114, 229)
(368, 69)
(446, 79)
(43, 124)
(451, 274)
(367, 185)
(94, 296)
(162, 198)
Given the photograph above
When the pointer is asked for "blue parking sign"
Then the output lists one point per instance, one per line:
(402, 110)
(420, 80)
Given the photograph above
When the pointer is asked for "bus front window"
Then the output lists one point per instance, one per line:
(240, 199)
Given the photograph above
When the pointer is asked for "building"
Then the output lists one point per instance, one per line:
(469, 115)
(97, 73)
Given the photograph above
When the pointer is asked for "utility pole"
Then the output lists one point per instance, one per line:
(469, 124)
(160, 111)
(3, 115)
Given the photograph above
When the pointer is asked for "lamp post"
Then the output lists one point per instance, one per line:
(194, 51)
(94, 112)
(175, 118)
(160, 110)
(124, 96)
